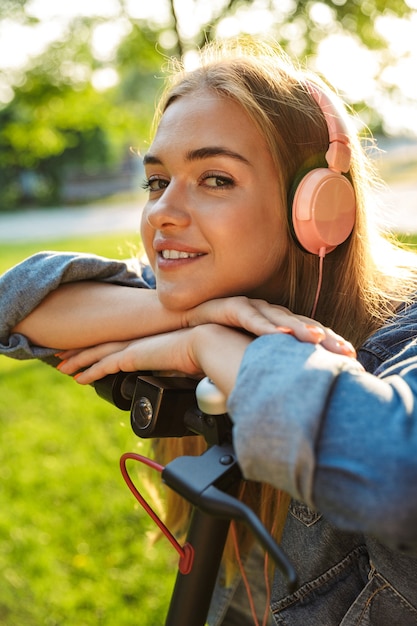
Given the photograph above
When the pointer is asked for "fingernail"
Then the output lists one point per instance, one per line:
(346, 348)
(316, 332)
(284, 329)
(76, 376)
(60, 365)
(58, 354)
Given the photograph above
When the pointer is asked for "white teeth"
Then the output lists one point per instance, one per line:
(177, 254)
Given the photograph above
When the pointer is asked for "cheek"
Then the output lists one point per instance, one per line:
(265, 245)
(146, 234)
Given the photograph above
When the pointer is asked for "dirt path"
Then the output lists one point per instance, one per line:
(400, 212)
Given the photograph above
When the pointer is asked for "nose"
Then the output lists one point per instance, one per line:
(169, 210)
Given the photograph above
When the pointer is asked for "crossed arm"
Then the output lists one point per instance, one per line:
(104, 328)
(112, 328)
(321, 413)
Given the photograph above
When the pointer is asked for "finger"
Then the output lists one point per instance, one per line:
(329, 339)
(283, 320)
(85, 358)
(338, 345)
(306, 329)
(255, 316)
(130, 357)
(108, 365)
(259, 323)
(261, 318)
(169, 351)
(66, 354)
(235, 312)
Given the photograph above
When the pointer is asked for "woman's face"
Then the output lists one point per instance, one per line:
(213, 224)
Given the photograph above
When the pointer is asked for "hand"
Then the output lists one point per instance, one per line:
(209, 349)
(261, 318)
(256, 316)
(168, 351)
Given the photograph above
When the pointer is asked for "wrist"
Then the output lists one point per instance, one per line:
(218, 351)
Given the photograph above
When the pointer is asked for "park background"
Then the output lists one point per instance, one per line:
(78, 84)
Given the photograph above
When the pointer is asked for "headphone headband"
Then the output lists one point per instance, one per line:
(339, 153)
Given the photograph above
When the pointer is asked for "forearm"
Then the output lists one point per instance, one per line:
(58, 301)
(82, 314)
(26, 286)
(211, 350)
(338, 438)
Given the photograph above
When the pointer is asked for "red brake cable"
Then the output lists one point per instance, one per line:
(185, 552)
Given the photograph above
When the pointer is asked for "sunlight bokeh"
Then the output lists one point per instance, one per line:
(342, 59)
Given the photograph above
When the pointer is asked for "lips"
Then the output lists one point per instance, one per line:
(170, 252)
(179, 254)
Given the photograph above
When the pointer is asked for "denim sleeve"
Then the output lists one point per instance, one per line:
(24, 286)
(344, 441)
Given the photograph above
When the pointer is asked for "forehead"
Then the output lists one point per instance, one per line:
(204, 119)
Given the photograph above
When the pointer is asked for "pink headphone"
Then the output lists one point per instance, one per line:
(324, 205)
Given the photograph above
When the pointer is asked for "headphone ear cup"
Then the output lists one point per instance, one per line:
(322, 210)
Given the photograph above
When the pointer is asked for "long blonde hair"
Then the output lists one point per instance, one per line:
(364, 278)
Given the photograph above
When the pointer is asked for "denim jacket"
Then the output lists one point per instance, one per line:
(340, 440)
(343, 443)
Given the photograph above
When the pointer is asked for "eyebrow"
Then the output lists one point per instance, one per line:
(200, 154)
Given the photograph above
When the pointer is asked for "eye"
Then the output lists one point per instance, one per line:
(155, 183)
(214, 180)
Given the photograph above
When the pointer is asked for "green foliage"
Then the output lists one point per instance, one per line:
(296, 21)
(52, 129)
(58, 122)
(12, 8)
(74, 544)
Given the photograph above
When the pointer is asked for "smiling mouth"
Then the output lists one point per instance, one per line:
(179, 254)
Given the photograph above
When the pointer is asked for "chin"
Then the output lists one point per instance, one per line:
(175, 301)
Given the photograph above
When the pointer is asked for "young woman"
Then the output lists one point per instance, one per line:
(259, 235)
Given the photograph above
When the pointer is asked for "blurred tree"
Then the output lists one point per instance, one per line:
(58, 115)
(58, 122)
(299, 25)
(12, 8)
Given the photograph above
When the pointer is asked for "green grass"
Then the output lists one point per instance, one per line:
(74, 544)
(74, 547)
(120, 245)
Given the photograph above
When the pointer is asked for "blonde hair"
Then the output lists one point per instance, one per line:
(364, 278)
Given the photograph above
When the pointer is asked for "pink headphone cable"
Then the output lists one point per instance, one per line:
(322, 254)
